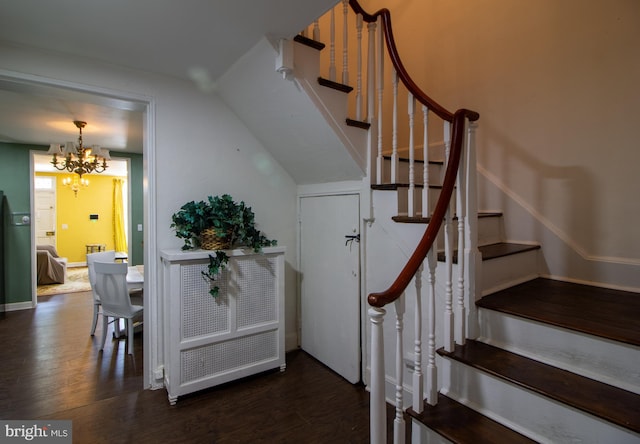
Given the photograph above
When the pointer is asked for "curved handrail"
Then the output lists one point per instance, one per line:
(458, 120)
(420, 95)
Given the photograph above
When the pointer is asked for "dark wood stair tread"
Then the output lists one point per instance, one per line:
(495, 251)
(461, 424)
(335, 85)
(309, 42)
(405, 160)
(426, 220)
(610, 403)
(358, 123)
(607, 313)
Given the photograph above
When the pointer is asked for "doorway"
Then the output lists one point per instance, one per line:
(330, 281)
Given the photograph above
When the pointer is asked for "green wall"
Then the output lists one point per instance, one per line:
(15, 183)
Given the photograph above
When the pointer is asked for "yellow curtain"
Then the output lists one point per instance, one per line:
(120, 237)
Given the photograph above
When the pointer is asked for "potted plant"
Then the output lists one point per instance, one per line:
(218, 223)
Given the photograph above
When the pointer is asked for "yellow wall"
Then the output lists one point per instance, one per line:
(73, 212)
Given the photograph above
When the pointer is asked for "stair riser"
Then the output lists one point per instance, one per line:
(507, 271)
(537, 417)
(436, 173)
(607, 361)
(434, 194)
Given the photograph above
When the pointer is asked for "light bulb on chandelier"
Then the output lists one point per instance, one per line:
(75, 183)
(78, 158)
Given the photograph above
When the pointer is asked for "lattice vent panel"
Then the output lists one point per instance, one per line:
(257, 283)
(209, 360)
(202, 314)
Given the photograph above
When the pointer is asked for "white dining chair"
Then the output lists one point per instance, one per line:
(92, 258)
(111, 283)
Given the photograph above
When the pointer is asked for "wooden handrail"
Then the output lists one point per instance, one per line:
(402, 281)
(458, 120)
(420, 95)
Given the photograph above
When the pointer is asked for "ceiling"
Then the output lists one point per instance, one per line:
(161, 36)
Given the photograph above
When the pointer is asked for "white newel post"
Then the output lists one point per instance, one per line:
(377, 417)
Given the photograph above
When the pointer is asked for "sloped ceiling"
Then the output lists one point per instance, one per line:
(196, 40)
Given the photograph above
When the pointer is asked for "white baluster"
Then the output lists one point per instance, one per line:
(448, 247)
(394, 131)
(371, 61)
(432, 371)
(473, 258)
(345, 44)
(377, 403)
(426, 202)
(332, 47)
(316, 30)
(398, 422)
(359, 23)
(380, 79)
(461, 199)
(418, 377)
(412, 174)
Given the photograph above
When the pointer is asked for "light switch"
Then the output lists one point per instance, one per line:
(139, 227)
(64, 226)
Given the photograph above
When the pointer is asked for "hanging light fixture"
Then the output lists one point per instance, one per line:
(75, 183)
(78, 158)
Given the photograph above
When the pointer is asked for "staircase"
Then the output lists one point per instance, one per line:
(534, 360)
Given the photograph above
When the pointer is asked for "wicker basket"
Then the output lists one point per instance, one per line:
(210, 240)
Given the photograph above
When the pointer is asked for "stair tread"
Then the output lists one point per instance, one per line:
(448, 415)
(405, 160)
(309, 42)
(610, 403)
(494, 251)
(426, 220)
(607, 313)
(335, 85)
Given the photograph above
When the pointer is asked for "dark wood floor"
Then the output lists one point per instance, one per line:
(52, 369)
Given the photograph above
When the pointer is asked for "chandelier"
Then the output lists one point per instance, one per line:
(78, 158)
(75, 183)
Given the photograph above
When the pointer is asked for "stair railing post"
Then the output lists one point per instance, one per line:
(380, 88)
(371, 73)
(426, 203)
(418, 378)
(411, 101)
(332, 46)
(472, 254)
(359, 24)
(345, 42)
(398, 422)
(316, 30)
(378, 414)
(461, 210)
(394, 131)
(448, 337)
(432, 371)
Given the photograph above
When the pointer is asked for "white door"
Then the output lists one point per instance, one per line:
(45, 208)
(330, 282)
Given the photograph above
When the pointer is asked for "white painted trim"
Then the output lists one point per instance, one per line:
(551, 226)
(15, 306)
(330, 189)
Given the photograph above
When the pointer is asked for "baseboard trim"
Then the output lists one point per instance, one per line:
(15, 306)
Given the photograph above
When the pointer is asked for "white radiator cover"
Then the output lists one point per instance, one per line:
(210, 341)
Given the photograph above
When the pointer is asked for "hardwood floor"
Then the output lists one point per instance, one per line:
(52, 369)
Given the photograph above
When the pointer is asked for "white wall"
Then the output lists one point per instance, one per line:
(201, 149)
(555, 84)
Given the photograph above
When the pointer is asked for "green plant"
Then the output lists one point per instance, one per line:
(233, 221)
